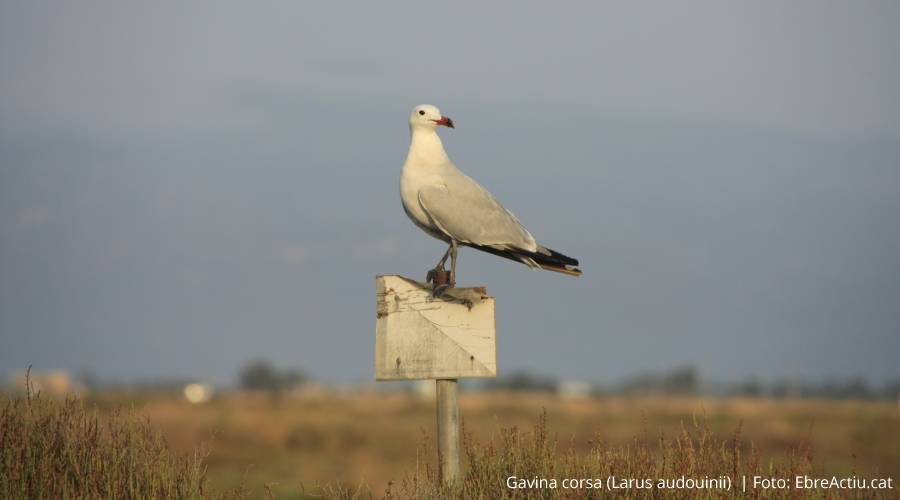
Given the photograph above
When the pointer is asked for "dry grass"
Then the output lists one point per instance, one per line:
(694, 453)
(372, 445)
(295, 446)
(58, 450)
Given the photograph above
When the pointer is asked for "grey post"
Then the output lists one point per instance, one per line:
(448, 428)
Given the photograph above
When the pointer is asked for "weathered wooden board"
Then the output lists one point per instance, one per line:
(421, 337)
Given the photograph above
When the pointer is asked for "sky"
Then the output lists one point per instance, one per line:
(185, 187)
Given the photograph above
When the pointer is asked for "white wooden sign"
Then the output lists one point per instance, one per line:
(418, 336)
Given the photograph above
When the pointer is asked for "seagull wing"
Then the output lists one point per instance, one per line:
(468, 213)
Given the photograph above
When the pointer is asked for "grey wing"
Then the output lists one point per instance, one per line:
(468, 213)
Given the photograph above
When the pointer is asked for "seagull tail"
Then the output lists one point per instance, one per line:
(570, 270)
(555, 262)
(544, 258)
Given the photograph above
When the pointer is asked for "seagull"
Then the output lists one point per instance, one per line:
(452, 207)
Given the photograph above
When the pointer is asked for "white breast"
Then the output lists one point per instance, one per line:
(411, 181)
(426, 163)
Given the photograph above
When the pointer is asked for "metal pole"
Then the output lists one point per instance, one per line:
(448, 428)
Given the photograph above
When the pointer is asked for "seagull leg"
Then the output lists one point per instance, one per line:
(452, 263)
(439, 267)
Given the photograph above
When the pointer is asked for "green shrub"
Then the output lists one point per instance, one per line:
(58, 450)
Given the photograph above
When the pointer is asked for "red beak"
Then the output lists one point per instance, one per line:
(447, 122)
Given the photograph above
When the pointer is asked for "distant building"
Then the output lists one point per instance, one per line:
(575, 389)
(197, 393)
(53, 383)
(425, 389)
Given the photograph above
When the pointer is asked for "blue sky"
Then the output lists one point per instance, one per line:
(186, 187)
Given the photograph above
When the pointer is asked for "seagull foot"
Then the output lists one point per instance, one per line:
(438, 291)
(440, 280)
(439, 276)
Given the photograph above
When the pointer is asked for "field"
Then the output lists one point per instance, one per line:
(292, 446)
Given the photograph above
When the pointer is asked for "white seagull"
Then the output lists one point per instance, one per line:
(451, 206)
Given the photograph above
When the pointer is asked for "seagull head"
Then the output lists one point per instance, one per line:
(426, 115)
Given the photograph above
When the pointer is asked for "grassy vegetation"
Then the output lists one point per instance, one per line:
(296, 445)
(695, 453)
(58, 450)
(374, 445)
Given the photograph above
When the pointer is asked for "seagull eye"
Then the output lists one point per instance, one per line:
(421, 111)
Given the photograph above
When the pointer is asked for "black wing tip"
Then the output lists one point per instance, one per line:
(555, 261)
(565, 259)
